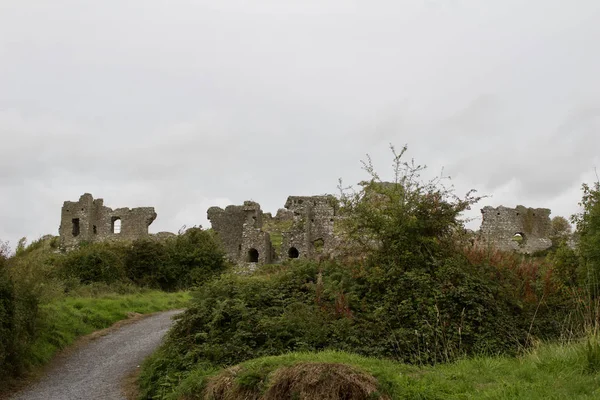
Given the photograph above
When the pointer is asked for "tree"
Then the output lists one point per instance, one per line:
(407, 222)
(588, 229)
(561, 230)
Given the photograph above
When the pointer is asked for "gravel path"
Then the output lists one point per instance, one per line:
(96, 369)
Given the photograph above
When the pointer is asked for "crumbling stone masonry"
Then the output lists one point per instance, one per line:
(311, 234)
(88, 220)
(525, 230)
(303, 230)
(239, 229)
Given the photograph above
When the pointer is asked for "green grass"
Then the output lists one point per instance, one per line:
(551, 371)
(64, 320)
(275, 228)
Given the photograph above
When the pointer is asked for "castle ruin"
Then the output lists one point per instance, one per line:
(240, 231)
(88, 220)
(524, 230)
(304, 229)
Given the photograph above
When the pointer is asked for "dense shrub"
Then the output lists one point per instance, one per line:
(588, 229)
(417, 317)
(145, 262)
(18, 315)
(194, 257)
(95, 263)
(7, 318)
(190, 258)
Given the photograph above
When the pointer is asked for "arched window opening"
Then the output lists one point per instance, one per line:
(252, 256)
(116, 225)
(293, 252)
(519, 238)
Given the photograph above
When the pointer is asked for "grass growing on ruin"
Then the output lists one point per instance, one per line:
(550, 371)
(275, 229)
(64, 320)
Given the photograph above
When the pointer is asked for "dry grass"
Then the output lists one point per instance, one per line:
(225, 387)
(302, 381)
(325, 381)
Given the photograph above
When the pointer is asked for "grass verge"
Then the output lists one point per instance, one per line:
(64, 320)
(550, 371)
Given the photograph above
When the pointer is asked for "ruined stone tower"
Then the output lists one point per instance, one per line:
(525, 230)
(311, 233)
(239, 229)
(88, 220)
(304, 230)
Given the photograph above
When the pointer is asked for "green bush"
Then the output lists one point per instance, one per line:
(189, 259)
(95, 263)
(588, 229)
(7, 319)
(418, 317)
(145, 262)
(193, 258)
(18, 317)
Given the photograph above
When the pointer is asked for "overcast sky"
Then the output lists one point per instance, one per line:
(182, 105)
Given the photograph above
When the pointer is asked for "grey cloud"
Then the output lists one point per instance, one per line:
(185, 104)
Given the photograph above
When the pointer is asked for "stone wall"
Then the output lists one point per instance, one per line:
(239, 229)
(525, 230)
(88, 220)
(228, 224)
(304, 229)
(311, 235)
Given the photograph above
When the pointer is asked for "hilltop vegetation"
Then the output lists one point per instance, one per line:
(409, 288)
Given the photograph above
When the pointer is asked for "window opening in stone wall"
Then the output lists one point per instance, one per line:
(116, 225)
(293, 252)
(75, 226)
(95, 230)
(252, 256)
(519, 238)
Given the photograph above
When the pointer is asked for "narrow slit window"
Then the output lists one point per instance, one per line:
(75, 226)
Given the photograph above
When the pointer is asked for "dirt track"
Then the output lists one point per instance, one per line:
(96, 369)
